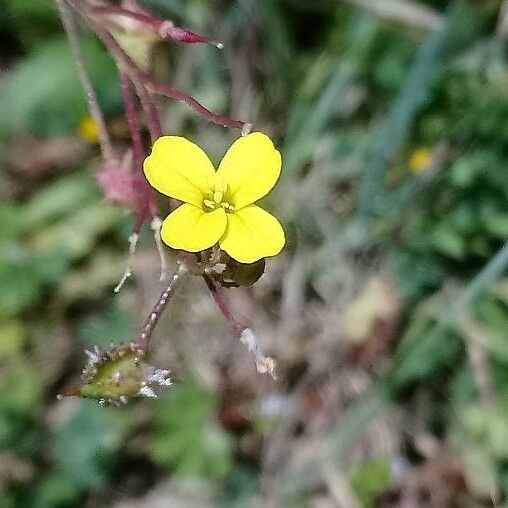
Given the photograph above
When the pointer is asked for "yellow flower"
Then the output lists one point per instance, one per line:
(218, 205)
(88, 130)
(421, 160)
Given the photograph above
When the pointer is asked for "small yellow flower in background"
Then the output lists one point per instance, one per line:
(218, 205)
(421, 160)
(88, 130)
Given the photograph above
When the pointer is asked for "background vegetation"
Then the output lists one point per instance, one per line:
(387, 312)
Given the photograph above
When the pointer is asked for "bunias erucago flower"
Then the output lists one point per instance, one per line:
(218, 206)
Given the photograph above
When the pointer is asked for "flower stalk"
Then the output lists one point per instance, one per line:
(132, 120)
(164, 28)
(264, 364)
(141, 342)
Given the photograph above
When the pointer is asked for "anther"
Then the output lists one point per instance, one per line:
(217, 196)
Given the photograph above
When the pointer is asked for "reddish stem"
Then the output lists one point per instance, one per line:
(132, 120)
(222, 305)
(162, 27)
(141, 341)
(175, 93)
(154, 122)
(143, 80)
(143, 18)
(146, 206)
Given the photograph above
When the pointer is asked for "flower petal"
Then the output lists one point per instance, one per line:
(252, 234)
(190, 228)
(180, 169)
(251, 167)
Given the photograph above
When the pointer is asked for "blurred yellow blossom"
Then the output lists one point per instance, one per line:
(88, 129)
(421, 160)
(218, 205)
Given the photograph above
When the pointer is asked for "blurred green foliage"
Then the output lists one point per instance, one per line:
(186, 439)
(54, 104)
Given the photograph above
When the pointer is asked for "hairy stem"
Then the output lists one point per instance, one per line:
(142, 340)
(132, 120)
(72, 31)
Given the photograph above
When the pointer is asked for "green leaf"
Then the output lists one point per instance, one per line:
(19, 387)
(447, 241)
(33, 21)
(186, 438)
(369, 480)
(85, 446)
(59, 199)
(23, 278)
(77, 234)
(12, 338)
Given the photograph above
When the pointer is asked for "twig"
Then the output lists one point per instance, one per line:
(141, 341)
(71, 29)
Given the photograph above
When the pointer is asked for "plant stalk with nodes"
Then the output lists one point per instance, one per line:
(120, 373)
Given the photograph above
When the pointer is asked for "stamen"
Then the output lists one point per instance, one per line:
(217, 196)
(221, 185)
(227, 206)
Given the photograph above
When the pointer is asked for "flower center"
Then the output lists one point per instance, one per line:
(215, 198)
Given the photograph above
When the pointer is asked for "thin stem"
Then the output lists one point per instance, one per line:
(132, 120)
(138, 77)
(144, 81)
(145, 19)
(222, 305)
(133, 242)
(264, 364)
(72, 31)
(156, 226)
(164, 28)
(175, 93)
(154, 122)
(142, 340)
